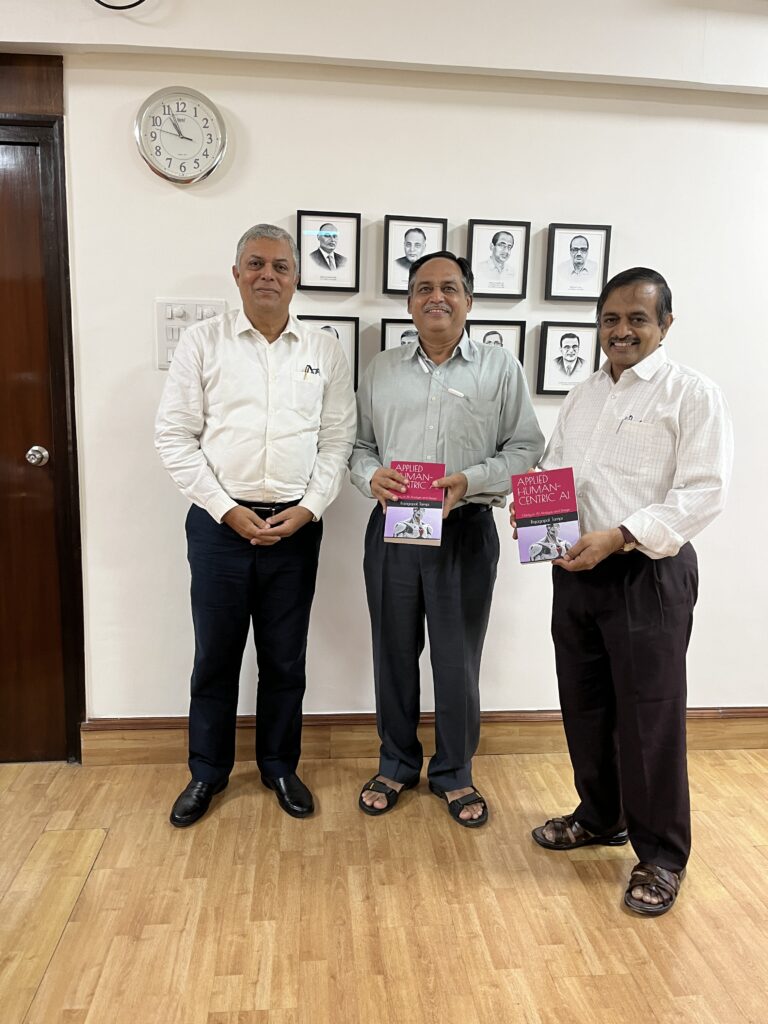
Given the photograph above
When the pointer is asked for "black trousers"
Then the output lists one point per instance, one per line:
(235, 583)
(621, 632)
(450, 586)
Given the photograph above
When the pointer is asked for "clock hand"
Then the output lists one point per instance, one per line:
(166, 132)
(175, 124)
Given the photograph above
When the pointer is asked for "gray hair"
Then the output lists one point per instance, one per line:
(267, 231)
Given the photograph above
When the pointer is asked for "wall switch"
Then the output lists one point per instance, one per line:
(172, 316)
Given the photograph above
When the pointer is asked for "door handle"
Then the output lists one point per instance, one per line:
(37, 455)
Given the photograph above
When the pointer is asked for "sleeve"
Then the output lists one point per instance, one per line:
(519, 442)
(178, 426)
(334, 439)
(365, 458)
(702, 476)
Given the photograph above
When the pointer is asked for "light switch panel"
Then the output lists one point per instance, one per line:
(172, 316)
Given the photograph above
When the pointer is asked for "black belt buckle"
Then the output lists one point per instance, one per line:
(264, 511)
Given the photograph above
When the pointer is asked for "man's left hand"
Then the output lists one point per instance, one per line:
(455, 487)
(591, 549)
(287, 522)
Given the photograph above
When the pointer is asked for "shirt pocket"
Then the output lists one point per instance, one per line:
(641, 448)
(473, 424)
(307, 394)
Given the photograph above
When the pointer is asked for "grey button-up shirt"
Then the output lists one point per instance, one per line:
(472, 412)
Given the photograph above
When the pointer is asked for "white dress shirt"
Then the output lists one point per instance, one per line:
(241, 417)
(651, 451)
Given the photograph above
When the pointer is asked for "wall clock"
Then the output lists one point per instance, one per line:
(181, 134)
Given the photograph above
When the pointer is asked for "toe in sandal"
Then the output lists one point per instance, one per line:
(660, 882)
(455, 807)
(375, 785)
(570, 835)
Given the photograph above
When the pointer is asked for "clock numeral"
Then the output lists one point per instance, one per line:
(197, 165)
(194, 111)
(183, 168)
(158, 151)
(156, 122)
(209, 138)
(181, 107)
(168, 161)
(153, 136)
(166, 110)
(206, 123)
(205, 153)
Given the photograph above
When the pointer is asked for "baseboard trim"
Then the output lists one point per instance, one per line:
(122, 741)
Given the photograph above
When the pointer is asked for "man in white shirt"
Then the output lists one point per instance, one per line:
(255, 426)
(650, 443)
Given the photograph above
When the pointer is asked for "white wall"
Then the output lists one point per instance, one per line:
(701, 43)
(680, 176)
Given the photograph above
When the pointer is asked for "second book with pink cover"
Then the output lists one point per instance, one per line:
(417, 517)
(546, 513)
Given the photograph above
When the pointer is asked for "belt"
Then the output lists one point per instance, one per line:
(470, 509)
(265, 509)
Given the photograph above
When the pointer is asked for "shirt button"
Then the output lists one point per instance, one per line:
(431, 427)
(433, 399)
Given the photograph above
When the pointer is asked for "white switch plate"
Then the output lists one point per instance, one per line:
(172, 316)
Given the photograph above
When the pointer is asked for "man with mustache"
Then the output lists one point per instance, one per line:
(446, 399)
(650, 443)
(255, 426)
(578, 274)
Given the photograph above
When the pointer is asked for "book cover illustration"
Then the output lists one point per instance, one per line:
(547, 514)
(417, 517)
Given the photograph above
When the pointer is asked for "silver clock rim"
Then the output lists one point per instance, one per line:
(186, 91)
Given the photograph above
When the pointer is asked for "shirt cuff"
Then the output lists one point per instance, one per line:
(653, 537)
(475, 479)
(219, 505)
(315, 504)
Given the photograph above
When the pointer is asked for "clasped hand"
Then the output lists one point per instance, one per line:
(264, 532)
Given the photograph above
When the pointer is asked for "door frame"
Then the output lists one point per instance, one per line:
(47, 131)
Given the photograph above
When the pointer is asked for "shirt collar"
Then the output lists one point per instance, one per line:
(243, 325)
(466, 346)
(645, 369)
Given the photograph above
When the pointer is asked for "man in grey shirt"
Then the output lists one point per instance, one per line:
(452, 401)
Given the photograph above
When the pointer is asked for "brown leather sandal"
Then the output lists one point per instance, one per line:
(660, 882)
(570, 835)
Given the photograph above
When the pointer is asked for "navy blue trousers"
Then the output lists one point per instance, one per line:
(234, 584)
(621, 632)
(451, 587)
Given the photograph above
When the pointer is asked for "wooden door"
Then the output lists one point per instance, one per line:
(41, 689)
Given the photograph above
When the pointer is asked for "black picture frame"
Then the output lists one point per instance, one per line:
(564, 280)
(347, 331)
(392, 330)
(399, 252)
(500, 272)
(511, 332)
(312, 226)
(552, 376)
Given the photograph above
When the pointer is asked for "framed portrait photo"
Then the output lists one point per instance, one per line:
(329, 248)
(405, 240)
(568, 354)
(395, 333)
(577, 261)
(497, 251)
(509, 334)
(346, 329)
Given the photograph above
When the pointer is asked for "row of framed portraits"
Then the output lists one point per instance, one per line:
(497, 251)
(568, 351)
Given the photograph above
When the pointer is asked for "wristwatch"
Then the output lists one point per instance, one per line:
(630, 542)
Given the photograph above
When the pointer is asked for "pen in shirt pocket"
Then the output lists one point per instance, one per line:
(626, 419)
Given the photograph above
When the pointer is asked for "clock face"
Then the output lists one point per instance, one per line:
(180, 134)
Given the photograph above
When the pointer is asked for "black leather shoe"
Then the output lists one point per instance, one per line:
(193, 801)
(292, 795)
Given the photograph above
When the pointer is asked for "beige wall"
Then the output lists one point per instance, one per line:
(680, 176)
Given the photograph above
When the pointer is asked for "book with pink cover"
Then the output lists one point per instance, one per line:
(417, 517)
(547, 514)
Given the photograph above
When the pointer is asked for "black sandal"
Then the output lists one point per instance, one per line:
(375, 785)
(660, 881)
(455, 807)
(570, 835)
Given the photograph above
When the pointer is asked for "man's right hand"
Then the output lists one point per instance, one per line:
(513, 518)
(249, 525)
(387, 485)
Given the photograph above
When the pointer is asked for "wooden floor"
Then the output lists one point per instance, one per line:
(109, 915)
